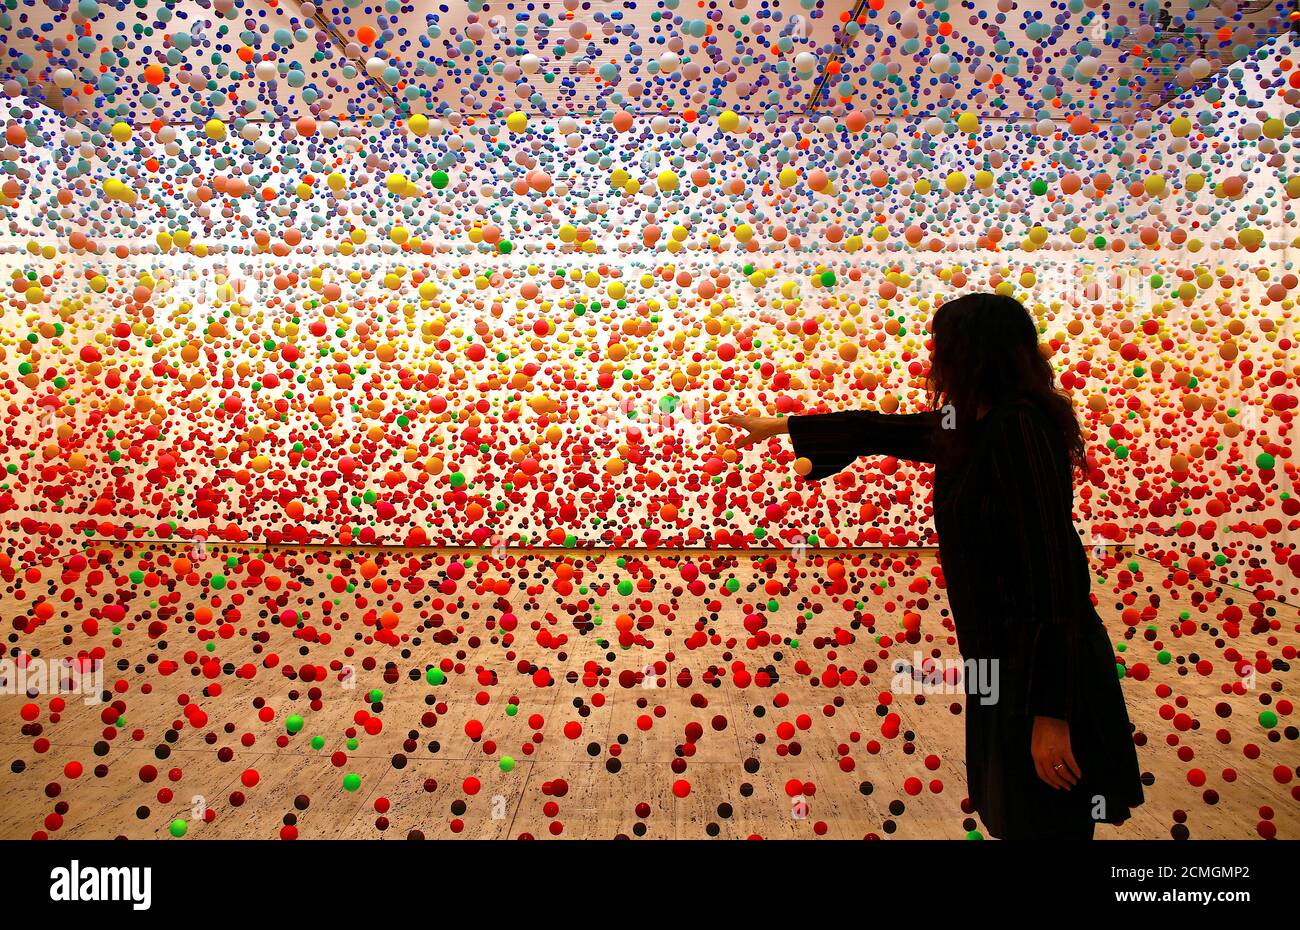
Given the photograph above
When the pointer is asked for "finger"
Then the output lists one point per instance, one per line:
(1042, 770)
(732, 420)
(1071, 764)
(747, 441)
(1065, 774)
(1048, 774)
(1057, 768)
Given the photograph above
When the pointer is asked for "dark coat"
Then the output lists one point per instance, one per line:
(1019, 587)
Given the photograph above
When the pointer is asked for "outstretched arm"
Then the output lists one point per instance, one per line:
(831, 441)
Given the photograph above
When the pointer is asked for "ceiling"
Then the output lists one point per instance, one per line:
(278, 60)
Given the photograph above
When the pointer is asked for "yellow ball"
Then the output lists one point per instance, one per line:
(517, 122)
(955, 182)
(1251, 238)
(215, 129)
(116, 190)
(122, 132)
(729, 121)
(667, 181)
(788, 177)
(419, 124)
(968, 123)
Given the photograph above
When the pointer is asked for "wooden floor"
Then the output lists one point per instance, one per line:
(657, 736)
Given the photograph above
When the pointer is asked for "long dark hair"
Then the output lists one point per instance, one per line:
(986, 352)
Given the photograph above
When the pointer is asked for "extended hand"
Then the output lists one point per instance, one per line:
(757, 429)
(1053, 758)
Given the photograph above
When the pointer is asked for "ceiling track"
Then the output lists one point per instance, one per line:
(385, 88)
(840, 49)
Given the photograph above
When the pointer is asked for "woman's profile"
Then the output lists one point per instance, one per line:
(1053, 755)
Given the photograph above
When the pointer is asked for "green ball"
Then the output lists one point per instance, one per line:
(439, 179)
(351, 781)
(318, 742)
(293, 724)
(507, 764)
(435, 676)
(512, 710)
(1268, 719)
(1264, 461)
(177, 828)
(974, 835)
(625, 587)
(375, 696)
(828, 278)
(1164, 657)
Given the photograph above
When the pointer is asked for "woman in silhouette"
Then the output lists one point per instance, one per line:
(1054, 754)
